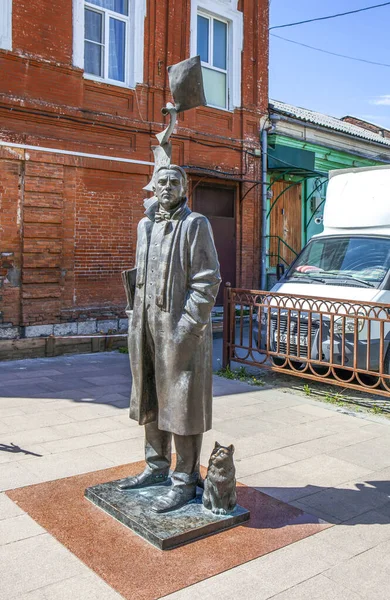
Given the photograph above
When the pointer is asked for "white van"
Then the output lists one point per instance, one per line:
(349, 260)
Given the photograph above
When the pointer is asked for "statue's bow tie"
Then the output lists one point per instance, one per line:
(162, 217)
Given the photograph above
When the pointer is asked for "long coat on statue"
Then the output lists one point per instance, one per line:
(177, 390)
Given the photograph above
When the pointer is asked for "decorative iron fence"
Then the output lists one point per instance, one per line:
(343, 342)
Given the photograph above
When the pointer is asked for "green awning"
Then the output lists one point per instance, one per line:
(293, 160)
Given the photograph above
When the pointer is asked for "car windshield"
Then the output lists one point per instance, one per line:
(355, 261)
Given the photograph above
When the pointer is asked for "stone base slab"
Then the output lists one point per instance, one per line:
(166, 531)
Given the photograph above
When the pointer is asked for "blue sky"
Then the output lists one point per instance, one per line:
(328, 84)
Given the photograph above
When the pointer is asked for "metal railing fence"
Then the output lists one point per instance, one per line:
(338, 341)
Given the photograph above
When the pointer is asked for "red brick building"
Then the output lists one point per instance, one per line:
(82, 86)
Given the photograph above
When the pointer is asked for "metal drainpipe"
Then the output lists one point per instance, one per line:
(264, 190)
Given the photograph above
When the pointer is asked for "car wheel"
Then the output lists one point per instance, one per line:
(277, 361)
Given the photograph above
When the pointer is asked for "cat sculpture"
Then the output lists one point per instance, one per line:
(219, 494)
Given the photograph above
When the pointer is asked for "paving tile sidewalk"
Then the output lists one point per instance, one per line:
(68, 415)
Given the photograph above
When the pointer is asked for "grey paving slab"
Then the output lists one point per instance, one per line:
(286, 415)
(122, 452)
(66, 464)
(303, 478)
(23, 390)
(106, 379)
(372, 454)
(336, 423)
(103, 391)
(294, 564)
(314, 409)
(360, 533)
(15, 475)
(20, 375)
(26, 386)
(35, 562)
(28, 438)
(324, 445)
(68, 383)
(235, 400)
(126, 433)
(260, 462)
(85, 412)
(228, 386)
(222, 413)
(244, 446)
(71, 369)
(82, 587)
(366, 574)
(41, 419)
(75, 443)
(321, 514)
(21, 401)
(318, 588)
(18, 528)
(230, 585)
(345, 501)
(266, 401)
(77, 428)
(381, 429)
(8, 509)
(247, 426)
(10, 412)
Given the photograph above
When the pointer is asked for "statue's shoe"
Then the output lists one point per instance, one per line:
(177, 497)
(145, 479)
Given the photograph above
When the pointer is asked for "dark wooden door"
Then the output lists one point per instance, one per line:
(285, 221)
(218, 205)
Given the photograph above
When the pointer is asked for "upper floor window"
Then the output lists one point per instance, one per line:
(108, 40)
(217, 36)
(212, 46)
(106, 33)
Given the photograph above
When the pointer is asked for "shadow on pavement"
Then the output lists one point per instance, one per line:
(16, 449)
(102, 378)
(367, 504)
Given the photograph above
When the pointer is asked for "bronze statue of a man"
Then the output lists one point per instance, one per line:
(170, 338)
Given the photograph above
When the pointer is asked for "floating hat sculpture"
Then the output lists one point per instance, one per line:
(186, 85)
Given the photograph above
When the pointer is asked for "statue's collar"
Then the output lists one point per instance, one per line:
(151, 205)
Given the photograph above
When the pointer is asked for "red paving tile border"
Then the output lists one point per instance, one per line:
(135, 568)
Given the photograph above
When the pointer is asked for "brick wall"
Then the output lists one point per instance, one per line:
(369, 126)
(68, 223)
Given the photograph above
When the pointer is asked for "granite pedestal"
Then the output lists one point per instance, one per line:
(167, 530)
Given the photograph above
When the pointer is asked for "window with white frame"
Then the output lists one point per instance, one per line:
(106, 39)
(212, 46)
(217, 33)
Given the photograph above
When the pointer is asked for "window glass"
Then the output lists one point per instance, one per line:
(220, 44)
(203, 38)
(119, 6)
(93, 59)
(214, 87)
(351, 260)
(93, 26)
(116, 54)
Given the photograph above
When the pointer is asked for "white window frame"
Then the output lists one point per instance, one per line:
(209, 65)
(106, 14)
(223, 10)
(134, 51)
(6, 24)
